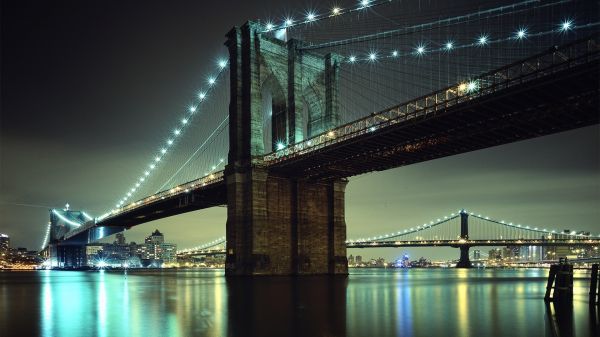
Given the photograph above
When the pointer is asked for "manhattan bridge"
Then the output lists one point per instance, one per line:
(303, 103)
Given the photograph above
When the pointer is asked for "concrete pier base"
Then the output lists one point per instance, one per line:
(284, 226)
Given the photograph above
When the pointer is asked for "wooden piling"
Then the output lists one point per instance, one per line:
(560, 278)
(594, 286)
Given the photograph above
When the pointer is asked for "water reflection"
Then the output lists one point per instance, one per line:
(313, 306)
(368, 303)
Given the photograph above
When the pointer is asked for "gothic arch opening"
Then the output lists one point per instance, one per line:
(274, 114)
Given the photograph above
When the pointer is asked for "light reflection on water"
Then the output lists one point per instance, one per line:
(371, 302)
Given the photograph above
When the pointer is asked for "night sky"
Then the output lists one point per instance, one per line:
(88, 87)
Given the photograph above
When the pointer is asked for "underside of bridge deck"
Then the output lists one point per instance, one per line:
(564, 101)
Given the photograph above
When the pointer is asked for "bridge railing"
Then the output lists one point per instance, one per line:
(552, 61)
(183, 188)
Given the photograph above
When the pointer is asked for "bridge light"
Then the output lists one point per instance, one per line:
(202, 95)
(449, 45)
(372, 57)
(310, 16)
(152, 166)
(176, 132)
(170, 142)
(146, 173)
(222, 64)
(192, 109)
(157, 159)
(483, 39)
(472, 86)
(184, 121)
(352, 59)
(395, 53)
(128, 194)
(280, 146)
(137, 185)
(163, 151)
(365, 3)
(288, 22)
(211, 80)
(521, 33)
(269, 26)
(420, 50)
(214, 167)
(566, 25)
(221, 160)
(330, 134)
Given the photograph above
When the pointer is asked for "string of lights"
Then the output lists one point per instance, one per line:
(479, 15)
(311, 16)
(526, 227)
(70, 222)
(409, 231)
(204, 246)
(47, 236)
(452, 216)
(178, 130)
(482, 40)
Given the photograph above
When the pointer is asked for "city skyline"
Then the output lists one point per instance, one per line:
(95, 113)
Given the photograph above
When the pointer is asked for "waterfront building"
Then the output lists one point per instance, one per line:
(155, 251)
(494, 254)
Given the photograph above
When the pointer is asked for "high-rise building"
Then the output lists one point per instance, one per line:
(156, 237)
(4, 242)
(156, 249)
(120, 239)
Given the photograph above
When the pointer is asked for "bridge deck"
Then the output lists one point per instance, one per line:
(507, 108)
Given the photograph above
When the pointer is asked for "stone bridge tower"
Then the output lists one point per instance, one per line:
(280, 225)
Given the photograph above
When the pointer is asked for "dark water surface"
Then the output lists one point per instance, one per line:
(370, 302)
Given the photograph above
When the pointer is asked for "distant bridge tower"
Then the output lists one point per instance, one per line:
(464, 261)
(276, 224)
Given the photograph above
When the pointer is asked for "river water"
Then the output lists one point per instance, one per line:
(370, 302)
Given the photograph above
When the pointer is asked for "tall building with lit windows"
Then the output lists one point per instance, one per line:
(156, 251)
(4, 242)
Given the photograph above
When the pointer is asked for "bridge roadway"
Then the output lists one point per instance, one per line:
(544, 94)
(436, 243)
